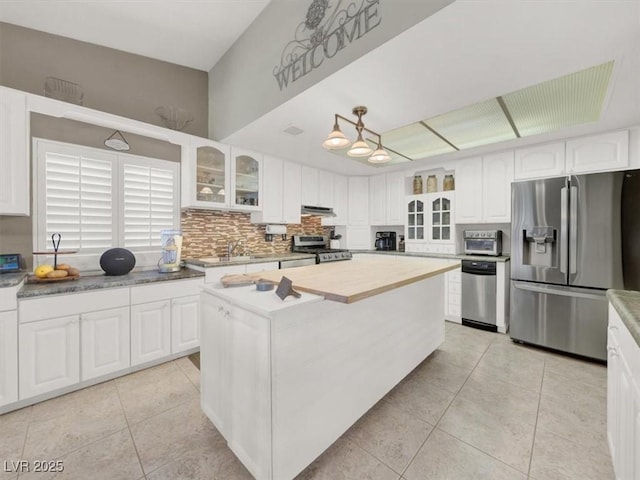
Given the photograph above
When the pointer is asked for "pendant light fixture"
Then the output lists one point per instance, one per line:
(116, 143)
(360, 148)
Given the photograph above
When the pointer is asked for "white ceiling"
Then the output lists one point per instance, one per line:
(468, 52)
(192, 33)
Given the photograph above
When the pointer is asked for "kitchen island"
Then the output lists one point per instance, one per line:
(282, 380)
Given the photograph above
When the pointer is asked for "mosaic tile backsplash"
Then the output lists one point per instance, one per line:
(207, 233)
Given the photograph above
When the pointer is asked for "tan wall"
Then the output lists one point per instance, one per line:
(121, 83)
(207, 233)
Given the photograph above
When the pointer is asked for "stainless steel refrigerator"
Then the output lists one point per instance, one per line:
(572, 239)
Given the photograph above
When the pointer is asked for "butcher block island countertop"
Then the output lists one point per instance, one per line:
(353, 280)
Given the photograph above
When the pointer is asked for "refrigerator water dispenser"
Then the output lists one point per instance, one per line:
(539, 245)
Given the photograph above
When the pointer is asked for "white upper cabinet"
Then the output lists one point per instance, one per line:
(483, 189)
(205, 174)
(246, 183)
(340, 202)
(272, 192)
(497, 175)
(280, 192)
(539, 161)
(609, 151)
(395, 198)
(358, 201)
(386, 199)
(469, 190)
(215, 176)
(309, 194)
(292, 192)
(377, 199)
(325, 189)
(317, 187)
(14, 153)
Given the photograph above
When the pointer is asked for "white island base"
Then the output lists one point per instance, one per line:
(283, 380)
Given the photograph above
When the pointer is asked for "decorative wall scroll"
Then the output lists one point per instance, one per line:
(329, 26)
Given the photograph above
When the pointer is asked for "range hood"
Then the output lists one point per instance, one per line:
(313, 210)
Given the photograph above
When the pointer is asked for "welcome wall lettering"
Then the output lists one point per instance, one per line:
(323, 34)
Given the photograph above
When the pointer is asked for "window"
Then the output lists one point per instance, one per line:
(98, 199)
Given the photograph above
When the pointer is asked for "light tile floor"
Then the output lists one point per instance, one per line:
(480, 407)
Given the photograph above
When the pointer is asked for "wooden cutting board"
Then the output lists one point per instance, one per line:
(35, 279)
(237, 280)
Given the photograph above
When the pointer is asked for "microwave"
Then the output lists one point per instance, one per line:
(483, 242)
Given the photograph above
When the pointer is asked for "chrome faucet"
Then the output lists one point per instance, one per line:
(231, 247)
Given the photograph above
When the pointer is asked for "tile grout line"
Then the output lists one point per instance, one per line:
(535, 428)
(185, 373)
(135, 447)
(446, 410)
(26, 434)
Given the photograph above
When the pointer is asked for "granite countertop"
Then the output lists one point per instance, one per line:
(276, 257)
(449, 256)
(96, 282)
(627, 304)
(12, 279)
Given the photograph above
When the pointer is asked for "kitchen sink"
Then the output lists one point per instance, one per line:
(235, 258)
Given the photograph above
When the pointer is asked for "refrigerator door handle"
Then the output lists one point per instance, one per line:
(561, 290)
(573, 231)
(564, 224)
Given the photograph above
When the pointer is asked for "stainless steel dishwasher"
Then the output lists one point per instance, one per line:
(479, 294)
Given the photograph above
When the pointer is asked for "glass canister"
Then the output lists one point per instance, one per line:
(448, 183)
(417, 184)
(432, 184)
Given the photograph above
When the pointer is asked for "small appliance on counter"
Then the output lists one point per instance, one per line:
(117, 261)
(10, 262)
(171, 241)
(401, 244)
(483, 242)
(334, 241)
(385, 241)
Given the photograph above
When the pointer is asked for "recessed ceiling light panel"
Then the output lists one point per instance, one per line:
(562, 102)
(478, 124)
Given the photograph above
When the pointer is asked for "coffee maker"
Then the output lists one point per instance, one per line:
(385, 241)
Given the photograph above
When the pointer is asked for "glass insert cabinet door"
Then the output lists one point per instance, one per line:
(211, 174)
(415, 220)
(246, 178)
(441, 219)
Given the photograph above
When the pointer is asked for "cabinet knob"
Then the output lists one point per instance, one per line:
(613, 351)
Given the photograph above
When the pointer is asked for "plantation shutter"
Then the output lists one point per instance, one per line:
(79, 200)
(149, 201)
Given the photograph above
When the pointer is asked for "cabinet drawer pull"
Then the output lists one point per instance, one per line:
(220, 309)
(613, 351)
(613, 328)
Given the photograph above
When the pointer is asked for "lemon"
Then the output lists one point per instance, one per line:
(42, 270)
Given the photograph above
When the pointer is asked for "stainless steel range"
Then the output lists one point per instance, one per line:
(317, 244)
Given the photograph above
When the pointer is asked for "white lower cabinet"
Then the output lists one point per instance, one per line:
(49, 355)
(453, 282)
(623, 399)
(185, 331)
(105, 342)
(8, 357)
(150, 331)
